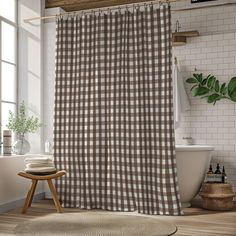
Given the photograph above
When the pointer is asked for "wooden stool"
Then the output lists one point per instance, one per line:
(31, 191)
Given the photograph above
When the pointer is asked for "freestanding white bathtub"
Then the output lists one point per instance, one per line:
(192, 164)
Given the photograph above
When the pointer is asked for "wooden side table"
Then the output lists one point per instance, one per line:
(35, 179)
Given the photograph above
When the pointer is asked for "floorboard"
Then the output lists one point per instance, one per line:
(195, 222)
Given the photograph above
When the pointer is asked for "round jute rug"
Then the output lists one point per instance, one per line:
(95, 224)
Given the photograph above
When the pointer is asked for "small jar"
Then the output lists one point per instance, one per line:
(188, 140)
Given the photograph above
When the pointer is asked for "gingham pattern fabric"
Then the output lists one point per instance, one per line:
(113, 124)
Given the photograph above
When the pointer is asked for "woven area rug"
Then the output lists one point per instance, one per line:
(95, 224)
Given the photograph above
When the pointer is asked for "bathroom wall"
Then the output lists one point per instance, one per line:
(49, 78)
(214, 52)
(13, 188)
(30, 68)
(49, 72)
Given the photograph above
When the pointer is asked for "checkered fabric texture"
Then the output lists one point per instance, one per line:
(113, 124)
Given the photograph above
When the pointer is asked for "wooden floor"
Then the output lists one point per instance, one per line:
(195, 222)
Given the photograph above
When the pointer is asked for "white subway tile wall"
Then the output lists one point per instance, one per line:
(214, 52)
(49, 78)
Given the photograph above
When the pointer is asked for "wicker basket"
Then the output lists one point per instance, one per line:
(218, 197)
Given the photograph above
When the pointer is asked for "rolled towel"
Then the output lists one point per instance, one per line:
(38, 165)
(42, 160)
(39, 162)
(40, 170)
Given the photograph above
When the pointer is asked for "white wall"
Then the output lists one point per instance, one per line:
(49, 72)
(13, 188)
(30, 63)
(214, 53)
(49, 78)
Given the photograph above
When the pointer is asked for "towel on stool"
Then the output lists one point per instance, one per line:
(40, 165)
(38, 160)
(41, 170)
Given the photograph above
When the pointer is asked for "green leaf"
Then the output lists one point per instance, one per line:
(199, 91)
(204, 82)
(194, 86)
(191, 81)
(211, 81)
(225, 90)
(217, 86)
(222, 88)
(213, 98)
(233, 96)
(232, 89)
(198, 77)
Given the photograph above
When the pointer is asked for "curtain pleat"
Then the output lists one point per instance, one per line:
(113, 123)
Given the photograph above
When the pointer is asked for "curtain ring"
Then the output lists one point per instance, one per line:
(57, 17)
(134, 7)
(60, 16)
(107, 11)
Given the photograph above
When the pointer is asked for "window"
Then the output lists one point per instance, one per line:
(8, 60)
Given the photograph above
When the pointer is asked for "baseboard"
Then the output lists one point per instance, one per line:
(19, 203)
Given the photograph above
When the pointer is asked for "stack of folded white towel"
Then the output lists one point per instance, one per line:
(40, 165)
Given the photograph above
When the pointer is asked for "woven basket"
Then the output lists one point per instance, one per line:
(218, 197)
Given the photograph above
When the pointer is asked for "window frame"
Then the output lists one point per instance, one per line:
(15, 25)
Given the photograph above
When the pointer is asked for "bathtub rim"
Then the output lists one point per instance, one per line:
(195, 148)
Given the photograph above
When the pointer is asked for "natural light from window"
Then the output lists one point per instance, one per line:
(7, 9)
(8, 59)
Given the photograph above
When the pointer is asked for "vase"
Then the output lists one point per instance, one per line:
(21, 146)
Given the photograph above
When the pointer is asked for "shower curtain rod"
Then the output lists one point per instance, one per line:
(102, 9)
(126, 7)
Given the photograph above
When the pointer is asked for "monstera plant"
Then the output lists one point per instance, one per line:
(211, 89)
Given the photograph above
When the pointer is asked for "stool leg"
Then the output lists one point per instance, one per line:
(33, 191)
(29, 196)
(54, 196)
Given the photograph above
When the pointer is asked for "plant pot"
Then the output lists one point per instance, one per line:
(21, 146)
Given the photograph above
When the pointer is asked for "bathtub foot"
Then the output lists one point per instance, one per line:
(186, 204)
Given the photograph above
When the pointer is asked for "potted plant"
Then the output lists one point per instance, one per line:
(211, 88)
(21, 124)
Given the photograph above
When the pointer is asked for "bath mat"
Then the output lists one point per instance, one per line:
(95, 224)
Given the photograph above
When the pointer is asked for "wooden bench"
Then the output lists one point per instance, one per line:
(35, 179)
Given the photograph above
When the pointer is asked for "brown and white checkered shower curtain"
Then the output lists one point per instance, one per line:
(113, 127)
